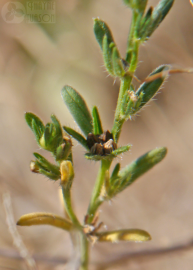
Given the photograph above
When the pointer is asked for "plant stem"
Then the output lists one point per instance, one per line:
(84, 244)
(119, 120)
(129, 52)
(132, 57)
(95, 201)
(84, 252)
(68, 207)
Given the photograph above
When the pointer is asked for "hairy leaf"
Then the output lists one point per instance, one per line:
(97, 125)
(78, 108)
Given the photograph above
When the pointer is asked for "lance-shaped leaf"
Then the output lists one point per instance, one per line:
(46, 165)
(97, 125)
(44, 219)
(116, 170)
(137, 5)
(134, 235)
(43, 166)
(162, 8)
(78, 109)
(144, 25)
(111, 56)
(149, 89)
(58, 128)
(35, 124)
(112, 59)
(134, 170)
(63, 151)
(101, 29)
(118, 66)
(159, 13)
(107, 55)
(34, 167)
(110, 156)
(77, 136)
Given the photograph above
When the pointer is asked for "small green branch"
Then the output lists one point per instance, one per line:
(119, 120)
(134, 59)
(95, 201)
(129, 51)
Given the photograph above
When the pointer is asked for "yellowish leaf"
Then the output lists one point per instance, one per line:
(134, 235)
(44, 219)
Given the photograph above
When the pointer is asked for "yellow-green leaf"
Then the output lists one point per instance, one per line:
(44, 219)
(134, 235)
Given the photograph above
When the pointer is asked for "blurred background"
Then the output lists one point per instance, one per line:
(36, 61)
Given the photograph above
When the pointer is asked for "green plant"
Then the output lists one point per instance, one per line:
(100, 144)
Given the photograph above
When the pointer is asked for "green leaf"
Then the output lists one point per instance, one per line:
(49, 135)
(38, 167)
(137, 168)
(149, 89)
(107, 55)
(78, 109)
(36, 131)
(111, 56)
(116, 170)
(35, 124)
(162, 8)
(50, 175)
(159, 13)
(110, 156)
(63, 151)
(77, 136)
(58, 128)
(144, 25)
(50, 139)
(121, 150)
(90, 156)
(100, 30)
(118, 67)
(46, 165)
(97, 125)
(134, 235)
(137, 5)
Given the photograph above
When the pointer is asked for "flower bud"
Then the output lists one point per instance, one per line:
(67, 173)
(34, 167)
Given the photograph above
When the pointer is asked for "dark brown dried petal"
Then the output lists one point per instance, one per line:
(106, 136)
(109, 146)
(92, 139)
(97, 149)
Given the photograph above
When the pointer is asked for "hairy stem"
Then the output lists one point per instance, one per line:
(129, 51)
(68, 207)
(95, 199)
(132, 58)
(119, 120)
